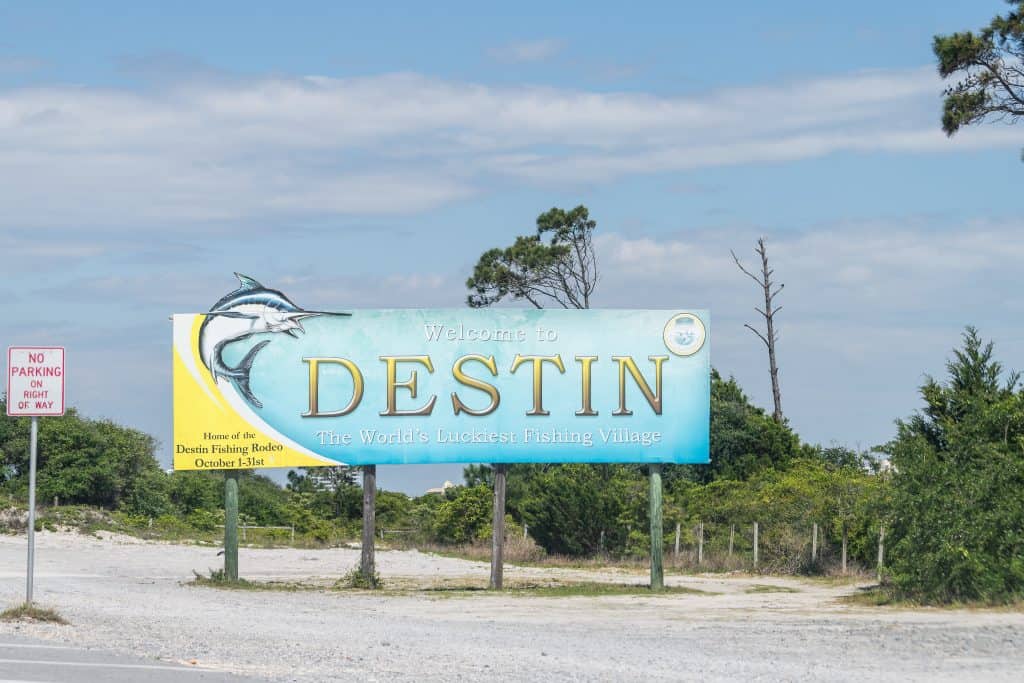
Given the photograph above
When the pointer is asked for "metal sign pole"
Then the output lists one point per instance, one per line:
(31, 509)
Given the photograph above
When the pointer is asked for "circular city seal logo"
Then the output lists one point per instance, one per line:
(684, 334)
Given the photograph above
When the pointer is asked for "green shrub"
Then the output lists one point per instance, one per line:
(465, 516)
(958, 509)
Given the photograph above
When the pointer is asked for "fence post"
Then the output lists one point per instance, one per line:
(700, 542)
(881, 550)
(675, 552)
(732, 537)
(602, 540)
(526, 531)
(814, 543)
(293, 533)
(755, 544)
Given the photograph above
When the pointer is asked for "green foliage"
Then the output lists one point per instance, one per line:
(785, 503)
(464, 516)
(958, 494)
(94, 462)
(356, 579)
(567, 507)
(260, 499)
(988, 64)
(393, 510)
(205, 520)
(556, 264)
(744, 438)
(196, 491)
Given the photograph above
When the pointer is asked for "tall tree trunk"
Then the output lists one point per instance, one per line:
(764, 281)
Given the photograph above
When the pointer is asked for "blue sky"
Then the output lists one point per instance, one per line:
(364, 157)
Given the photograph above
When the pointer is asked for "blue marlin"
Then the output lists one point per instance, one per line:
(249, 310)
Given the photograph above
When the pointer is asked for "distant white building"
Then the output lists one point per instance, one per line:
(329, 478)
(441, 489)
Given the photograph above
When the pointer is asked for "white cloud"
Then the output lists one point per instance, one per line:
(527, 51)
(892, 268)
(222, 150)
(868, 309)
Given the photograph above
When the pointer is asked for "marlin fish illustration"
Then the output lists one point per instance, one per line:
(249, 310)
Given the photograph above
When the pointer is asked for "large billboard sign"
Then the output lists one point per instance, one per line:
(260, 382)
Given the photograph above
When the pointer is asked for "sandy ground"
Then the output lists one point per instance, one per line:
(129, 596)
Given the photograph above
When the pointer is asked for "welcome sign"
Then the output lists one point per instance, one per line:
(260, 382)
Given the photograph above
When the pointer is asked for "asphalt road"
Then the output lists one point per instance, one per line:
(23, 660)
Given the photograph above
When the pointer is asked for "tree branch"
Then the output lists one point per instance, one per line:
(763, 338)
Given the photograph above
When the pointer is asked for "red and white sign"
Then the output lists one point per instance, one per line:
(35, 381)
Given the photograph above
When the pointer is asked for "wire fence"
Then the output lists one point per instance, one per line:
(786, 548)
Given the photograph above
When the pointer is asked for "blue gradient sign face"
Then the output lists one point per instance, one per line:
(433, 386)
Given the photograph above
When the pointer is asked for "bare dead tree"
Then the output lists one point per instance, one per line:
(764, 281)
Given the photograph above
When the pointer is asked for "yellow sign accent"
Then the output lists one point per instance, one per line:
(210, 434)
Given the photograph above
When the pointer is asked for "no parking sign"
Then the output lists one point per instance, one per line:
(35, 381)
(35, 388)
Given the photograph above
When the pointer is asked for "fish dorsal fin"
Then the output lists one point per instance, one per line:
(247, 283)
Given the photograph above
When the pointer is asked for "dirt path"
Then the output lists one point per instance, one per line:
(129, 596)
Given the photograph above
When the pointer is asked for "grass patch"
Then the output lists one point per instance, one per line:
(31, 612)
(217, 579)
(768, 588)
(874, 596)
(355, 579)
(568, 590)
(884, 596)
(589, 589)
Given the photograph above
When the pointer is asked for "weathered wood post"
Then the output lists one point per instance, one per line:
(700, 542)
(498, 528)
(526, 531)
(732, 537)
(844, 547)
(657, 567)
(366, 559)
(755, 544)
(881, 550)
(675, 552)
(231, 525)
(814, 543)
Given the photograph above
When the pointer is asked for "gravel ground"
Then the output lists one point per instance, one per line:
(129, 596)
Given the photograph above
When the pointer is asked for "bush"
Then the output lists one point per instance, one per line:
(464, 517)
(958, 512)
(205, 520)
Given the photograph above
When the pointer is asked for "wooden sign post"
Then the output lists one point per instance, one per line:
(498, 528)
(231, 525)
(366, 558)
(657, 567)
